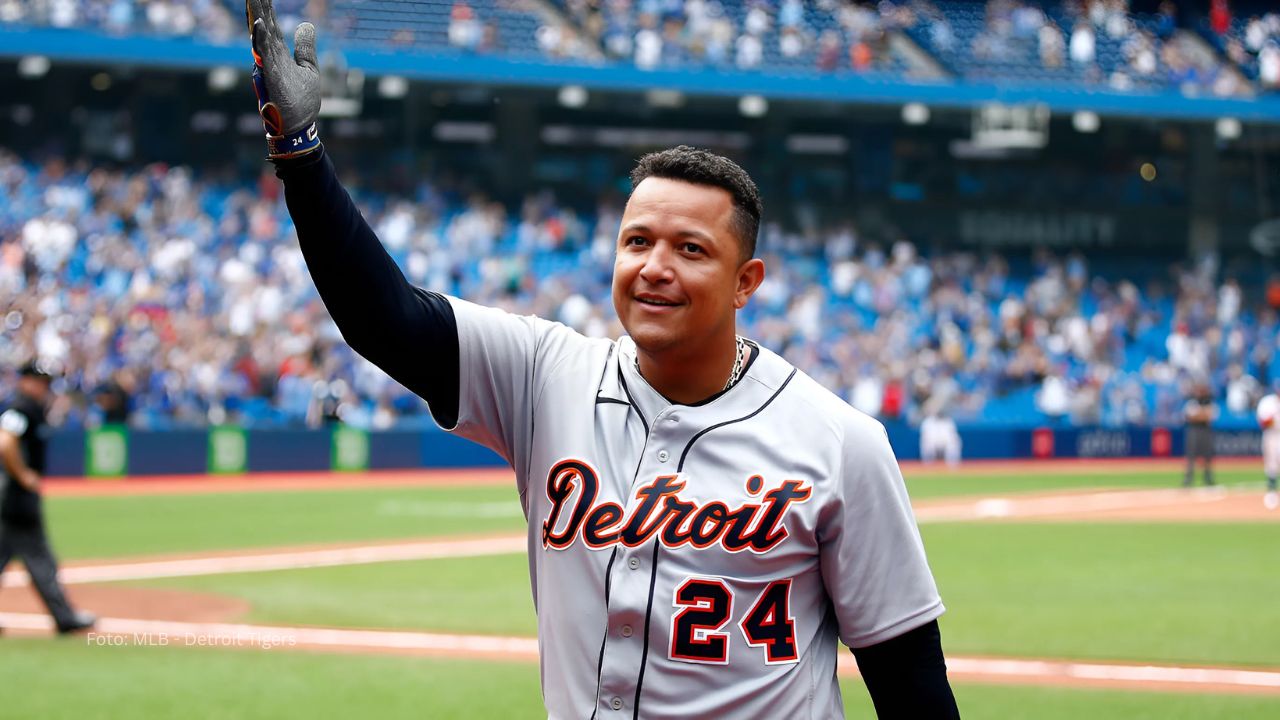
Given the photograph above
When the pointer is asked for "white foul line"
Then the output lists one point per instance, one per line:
(123, 631)
(264, 562)
(1116, 673)
(170, 633)
(1042, 506)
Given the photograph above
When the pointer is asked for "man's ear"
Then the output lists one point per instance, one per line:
(750, 275)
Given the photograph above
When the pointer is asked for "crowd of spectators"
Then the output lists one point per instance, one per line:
(1254, 44)
(1098, 42)
(174, 299)
(829, 35)
(213, 20)
(469, 31)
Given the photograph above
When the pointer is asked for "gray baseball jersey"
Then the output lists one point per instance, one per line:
(691, 561)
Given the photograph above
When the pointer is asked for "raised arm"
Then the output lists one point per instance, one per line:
(410, 333)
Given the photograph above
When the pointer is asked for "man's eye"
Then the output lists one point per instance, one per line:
(692, 248)
(636, 240)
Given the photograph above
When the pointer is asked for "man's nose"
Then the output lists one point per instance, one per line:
(657, 263)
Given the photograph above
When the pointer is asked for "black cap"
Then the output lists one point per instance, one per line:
(35, 370)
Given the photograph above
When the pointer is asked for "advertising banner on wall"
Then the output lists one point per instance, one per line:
(350, 449)
(228, 450)
(106, 451)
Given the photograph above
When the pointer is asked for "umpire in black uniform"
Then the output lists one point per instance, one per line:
(23, 432)
(1200, 412)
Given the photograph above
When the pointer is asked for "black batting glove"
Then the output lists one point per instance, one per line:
(288, 87)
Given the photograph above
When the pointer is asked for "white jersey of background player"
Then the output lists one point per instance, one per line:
(705, 522)
(939, 439)
(1269, 419)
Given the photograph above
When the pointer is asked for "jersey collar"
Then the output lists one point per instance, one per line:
(623, 383)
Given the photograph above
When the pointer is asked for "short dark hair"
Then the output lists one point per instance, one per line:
(33, 369)
(701, 167)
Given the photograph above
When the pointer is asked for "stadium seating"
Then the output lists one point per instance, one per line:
(191, 294)
(195, 298)
(1253, 28)
(991, 42)
(424, 25)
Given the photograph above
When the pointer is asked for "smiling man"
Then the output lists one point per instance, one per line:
(705, 522)
(684, 267)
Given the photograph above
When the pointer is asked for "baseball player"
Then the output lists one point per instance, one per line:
(1200, 412)
(22, 531)
(939, 438)
(705, 522)
(1269, 419)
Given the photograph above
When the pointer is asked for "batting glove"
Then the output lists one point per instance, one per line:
(288, 88)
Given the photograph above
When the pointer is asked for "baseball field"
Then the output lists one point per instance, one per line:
(1074, 590)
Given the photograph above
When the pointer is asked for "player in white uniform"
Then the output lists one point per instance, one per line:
(705, 522)
(939, 438)
(1269, 419)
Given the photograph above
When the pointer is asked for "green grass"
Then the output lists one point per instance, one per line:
(120, 525)
(69, 679)
(924, 485)
(488, 595)
(101, 527)
(1020, 703)
(72, 679)
(1177, 593)
(1171, 593)
(1168, 592)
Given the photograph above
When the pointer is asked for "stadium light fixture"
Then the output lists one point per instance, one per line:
(663, 98)
(100, 82)
(33, 66)
(753, 106)
(1086, 121)
(464, 132)
(22, 115)
(806, 144)
(393, 87)
(573, 96)
(222, 78)
(1147, 172)
(209, 121)
(915, 113)
(1228, 128)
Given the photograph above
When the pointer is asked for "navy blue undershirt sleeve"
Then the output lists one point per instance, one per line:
(907, 676)
(409, 332)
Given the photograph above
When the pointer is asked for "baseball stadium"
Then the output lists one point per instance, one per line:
(1036, 242)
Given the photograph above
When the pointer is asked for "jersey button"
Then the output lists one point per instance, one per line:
(663, 455)
(616, 703)
(633, 563)
(626, 631)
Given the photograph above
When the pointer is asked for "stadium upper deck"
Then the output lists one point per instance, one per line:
(147, 250)
(959, 52)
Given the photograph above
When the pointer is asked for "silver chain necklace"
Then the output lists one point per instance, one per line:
(739, 362)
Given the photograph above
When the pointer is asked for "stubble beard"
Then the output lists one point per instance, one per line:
(653, 340)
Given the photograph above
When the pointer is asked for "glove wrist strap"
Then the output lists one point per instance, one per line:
(291, 145)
